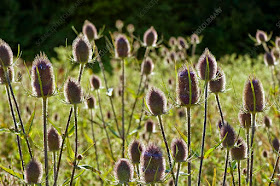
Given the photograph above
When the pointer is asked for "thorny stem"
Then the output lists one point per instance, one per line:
(189, 145)
(252, 149)
(177, 175)
(226, 163)
(248, 153)
(220, 109)
(239, 175)
(123, 130)
(45, 101)
(275, 168)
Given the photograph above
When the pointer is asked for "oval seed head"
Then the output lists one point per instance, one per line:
(122, 47)
(276, 53)
(82, 49)
(181, 113)
(187, 89)
(152, 164)
(95, 82)
(89, 30)
(269, 59)
(135, 150)
(228, 133)
(156, 101)
(130, 28)
(150, 37)
(54, 140)
(42, 76)
(123, 170)
(150, 126)
(253, 95)
(218, 84)
(261, 37)
(179, 150)
(6, 54)
(275, 144)
(182, 43)
(265, 154)
(73, 92)
(173, 56)
(171, 183)
(80, 157)
(207, 66)
(3, 79)
(239, 151)
(119, 24)
(90, 101)
(267, 121)
(56, 117)
(172, 42)
(195, 39)
(244, 119)
(33, 172)
(277, 42)
(147, 66)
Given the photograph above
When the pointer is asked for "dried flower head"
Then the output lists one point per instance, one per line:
(275, 144)
(135, 150)
(228, 133)
(195, 39)
(54, 139)
(172, 42)
(80, 157)
(150, 37)
(264, 153)
(156, 101)
(179, 150)
(73, 92)
(123, 170)
(267, 121)
(276, 53)
(82, 49)
(90, 102)
(150, 126)
(147, 66)
(6, 54)
(122, 47)
(173, 56)
(207, 66)
(95, 82)
(3, 77)
(244, 119)
(89, 30)
(261, 37)
(218, 84)
(238, 152)
(269, 59)
(182, 43)
(33, 172)
(119, 24)
(130, 28)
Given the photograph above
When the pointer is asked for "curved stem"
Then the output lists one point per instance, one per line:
(143, 104)
(248, 154)
(220, 109)
(93, 139)
(123, 130)
(225, 172)
(188, 114)
(177, 175)
(252, 149)
(45, 139)
(231, 172)
(239, 175)
(275, 168)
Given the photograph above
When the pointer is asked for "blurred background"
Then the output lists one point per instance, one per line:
(42, 25)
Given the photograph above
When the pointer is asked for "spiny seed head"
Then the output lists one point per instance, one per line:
(172, 42)
(182, 43)
(195, 39)
(228, 133)
(82, 49)
(187, 89)
(80, 157)
(277, 42)
(6, 54)
(267, 121)
(244, 119)
(33, 172)
(207, 66)
(147, 66)
(173, 56)
(181, 55)
(269, 59)
(54, 140)
(135, 150)
(261, 37)
(238, 152)
(156, 101)
(95, 82)
(150, 126)
(275, 144)
(119, 24)
(152, 164)
(73, 92)
(179, 150)
(150, 37)
(3, 79)
(265, 154)
(90, 101)
(56, 117)
(218, 84)
(122, 47)
(181, 113)
(276, 53)
(89, 30)
(130, 28)
(42, 76)
(253, 95)
(123, 170)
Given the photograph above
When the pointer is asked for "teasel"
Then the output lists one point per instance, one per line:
(119, 25)
(275, 145)
(253, 102)
(270, 60)
(6, 54)
(207, 69)
(262, 38)
(173, 56)
(135, 150)
(149, 128)
(267, 121)
(123, 171)
(238, 153)
(188, 94)
(82, 50)
(172, 42)
(157, 104)
(150, 37)
(130, 28)
(33, 172)
(89, 30)
(194, 41)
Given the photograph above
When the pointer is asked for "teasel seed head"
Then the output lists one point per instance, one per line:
(89, 30)
(253, 96)
(90, 102)
(276, 53)
(82, 49)
(73, 92)
(119, 24)
(80, 157)
(42, 76)
(54, 139)
(6, 54)
(207, 66)
(181, 113)
(238, 152)
(275, 144)
(261, 37)
(244, 119)
(156, 101)
(172, 42)
(182, 43)
(123, 170)
(33, 172)
(152, 164)
(56, 117)
(122, 47)
(135, 150)
(3, 77)
(179, 150)
(195, 39)
(173, 56)
(150, 126)
(228, 133)
(269, 59)
(147, 66)
(171, 183)
(267, 121)
(187, 89)
(95, 82)
(150, 37)
(130, 28)
(218, 84)
(264, 153)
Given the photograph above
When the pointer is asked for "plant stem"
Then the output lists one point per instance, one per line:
(248, 153)
(143, 104)
(231, 172)
(252, 149)
(272, 77)
(193, 49)
(275, 168)
(220, 109)
(54, 164)
(93, 138)
(45, 101)
(123, 130)
(82, 66)
(239, 175)
(177, 175)
(166, 146)
(226, 163)
(189, 144)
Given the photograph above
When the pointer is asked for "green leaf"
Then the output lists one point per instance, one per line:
(77, 182)
(75, 177)
(11, 172)
(182, 135)
(206, 155)
(70, 152)
(30, 122)
(89, 140)
(88, 167)
(113, 131)
(55, 126)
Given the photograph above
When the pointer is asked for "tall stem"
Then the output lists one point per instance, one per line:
(239, 174)
(193, 49)
(189, 145)
(177, 175)
(123, 130)
(275, 168)
(231, 172)
(252, 149)
(93, 138)
(220, 109)
(143, 103)
(45, 139)
(54, 164)
(226, 163)
(248, 153)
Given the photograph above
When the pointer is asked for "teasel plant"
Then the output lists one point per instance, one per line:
(195, 40)
(207, 69)
(182, 46)
(261, 38)
(253, 102)
(275, 145)
(135, 150)
(149, 129)
(188, 94)
(123, 171)
(157, 105)
(33, 172)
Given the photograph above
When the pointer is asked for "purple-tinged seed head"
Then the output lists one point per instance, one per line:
(173, 56)
(179, 150)
(182, 43)
(267, 121)
(207, 66)
(122, 47)
(89, 30)
(181, 113)
(3, 79)
(54, 139)
(119, 24)
(150, 126)
(147, 66)
(82, 49)
(95, 82)
(276, 53)
(275, 144)
(195, 39)
(269, 59)
(172, 42)
(90, 102)
(130, 28)
(228, 133)
(6, 54)
(73, 92)
(238, 152)
(150, 37)
(156, 101)
(33, 172)
(265, 153)
(244, 119)
(218, 84)
(123, 170)
(135, 150)
(261, 36)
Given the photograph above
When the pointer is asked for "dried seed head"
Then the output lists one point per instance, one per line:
(269, 59)
(122, 47)
(267, 121)
(119, 24)
(172, 42)
(80, 157)
(239, 151)
(182, 43)
(179, 150)
(152, 164)
(181, 55)
(187, 89)
(109, 115)
(275, 144)
(150, 37)
(6, 54)
(147, 66)
(181, 113)
(150, 126)
(89, 30)
(228, 133)
(276, 53)
(171, 183)
(244, 171)
(42, 76)
(173, 56)
(207, 66)
(54, 140)
(156, 101)
(95, 82)
(123, 170)
(277, 42)
(33, 172)
(136, 46)
(253, 95)
(56, 117)
(195, 39)
(130, 28)
(218, 84)
(261, 36)
(73, 92)
(82, 49)
(90, 102)
(244, 119)
(135, 150)
(264, 153)
(3, 79)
